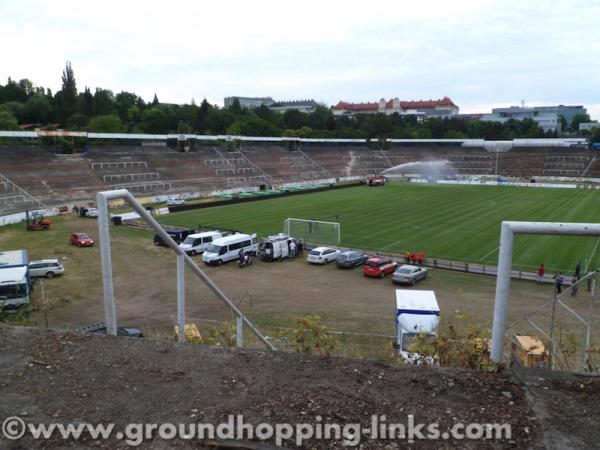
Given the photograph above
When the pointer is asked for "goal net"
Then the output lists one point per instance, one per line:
(312, 230)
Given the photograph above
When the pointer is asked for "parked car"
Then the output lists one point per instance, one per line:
(48, 268)
(322, 255)
(174, 201)
(349, 259)
(407, 274)
(92, 212)
(81, 240)
(379, 266)
(100, 328)
(178, 234)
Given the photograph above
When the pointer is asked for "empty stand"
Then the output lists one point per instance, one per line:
(566, 165)
(30, 174)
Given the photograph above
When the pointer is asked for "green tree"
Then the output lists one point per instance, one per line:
(564, 125)
(235, 107)
(321, 118)
(108, 123)
(379, 126)
(252, 125)
(124, 101)
(86, 102)
(104, 102)
(294, 119)
(577, 119)
(8, 121)
(154, 121)
(37, 109)
(66, 98)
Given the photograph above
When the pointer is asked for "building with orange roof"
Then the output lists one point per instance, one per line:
(421, 108)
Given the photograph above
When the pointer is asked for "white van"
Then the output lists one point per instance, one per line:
(199, 242)
(228, 248)
(276, 247)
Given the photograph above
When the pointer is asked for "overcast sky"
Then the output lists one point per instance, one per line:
(481, 53)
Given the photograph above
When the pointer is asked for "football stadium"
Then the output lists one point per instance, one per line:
(441, 198)
(331, 259)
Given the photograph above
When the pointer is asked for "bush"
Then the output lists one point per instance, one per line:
(310, 336)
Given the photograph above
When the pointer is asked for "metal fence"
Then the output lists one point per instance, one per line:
(566, 324)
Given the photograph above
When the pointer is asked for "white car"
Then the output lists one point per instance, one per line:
(174, 201)
(47, 268)
(92, 212)
(322, 255)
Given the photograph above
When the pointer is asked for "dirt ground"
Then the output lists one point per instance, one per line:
(272, 294)
(47, 376)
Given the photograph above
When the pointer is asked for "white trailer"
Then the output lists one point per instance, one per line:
(417, 312)
(15, 283)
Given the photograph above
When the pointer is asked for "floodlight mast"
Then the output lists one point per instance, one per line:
(102, 199)
(507, 232)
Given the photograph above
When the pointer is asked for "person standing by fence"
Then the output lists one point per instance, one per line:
(559, 280)
(578, 270)
(540, 274)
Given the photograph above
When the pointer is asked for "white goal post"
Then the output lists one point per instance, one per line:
(310, 230)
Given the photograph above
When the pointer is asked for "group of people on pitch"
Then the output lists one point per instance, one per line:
(415, 258)
(559, 279)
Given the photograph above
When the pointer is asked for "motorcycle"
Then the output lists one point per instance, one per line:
(244, 260)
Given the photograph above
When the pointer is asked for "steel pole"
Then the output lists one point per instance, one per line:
(502, 291)
(239, 332)
(181, 297)
(102, 200)
(110, 313)
(507, 232)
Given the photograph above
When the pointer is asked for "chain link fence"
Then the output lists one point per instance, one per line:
(567, 325)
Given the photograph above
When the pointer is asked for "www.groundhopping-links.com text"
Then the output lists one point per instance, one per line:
(235, 428)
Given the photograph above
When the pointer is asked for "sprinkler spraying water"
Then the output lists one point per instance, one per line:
(436, 168)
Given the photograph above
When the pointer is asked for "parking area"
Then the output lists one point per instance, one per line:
(272, 294)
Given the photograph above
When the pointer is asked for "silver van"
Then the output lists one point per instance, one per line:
(229, 247)
(198, 242)
(47, 268)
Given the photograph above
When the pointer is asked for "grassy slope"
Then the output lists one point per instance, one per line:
(452, 222)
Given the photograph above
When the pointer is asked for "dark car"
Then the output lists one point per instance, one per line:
(178, 234)
(100, 328)
(349, 259)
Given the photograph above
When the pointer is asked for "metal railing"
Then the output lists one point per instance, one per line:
(183, 259)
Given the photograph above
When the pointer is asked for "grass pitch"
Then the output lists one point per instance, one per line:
(460, 223)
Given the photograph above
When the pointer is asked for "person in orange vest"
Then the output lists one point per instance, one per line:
(407, 256)
(420, 257)
(413, 257)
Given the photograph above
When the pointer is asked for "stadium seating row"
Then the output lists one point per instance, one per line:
(58, 178)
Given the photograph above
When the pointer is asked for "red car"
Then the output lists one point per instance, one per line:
(379, 266)
(81, 240)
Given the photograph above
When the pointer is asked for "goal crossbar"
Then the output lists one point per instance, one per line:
(312, 230)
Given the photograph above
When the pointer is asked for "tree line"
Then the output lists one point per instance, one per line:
(22, 102)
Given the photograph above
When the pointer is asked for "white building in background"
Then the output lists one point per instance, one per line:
(305, 106)
(588, 126)
(249, 102)
(547, 117)
(423, 109)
